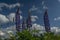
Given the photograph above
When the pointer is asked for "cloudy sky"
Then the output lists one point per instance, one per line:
(37, 7)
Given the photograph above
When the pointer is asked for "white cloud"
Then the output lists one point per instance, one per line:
(33, 8)
(9, 5)
(9, 31)
(45, 7)
(37, 27)
(11, 16)
(2, 33)
(14, 5)
(55, 29)
(3, 19)
(11, 28)
(43, 2)
(34, 18)
(5, 32)
(58, 18)
(6, 19)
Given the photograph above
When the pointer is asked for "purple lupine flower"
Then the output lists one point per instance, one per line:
(46, 22)
(17, 19)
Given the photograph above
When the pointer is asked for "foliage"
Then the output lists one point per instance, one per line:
(27, 35)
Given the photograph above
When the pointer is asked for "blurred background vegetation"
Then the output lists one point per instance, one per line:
(30, 35)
